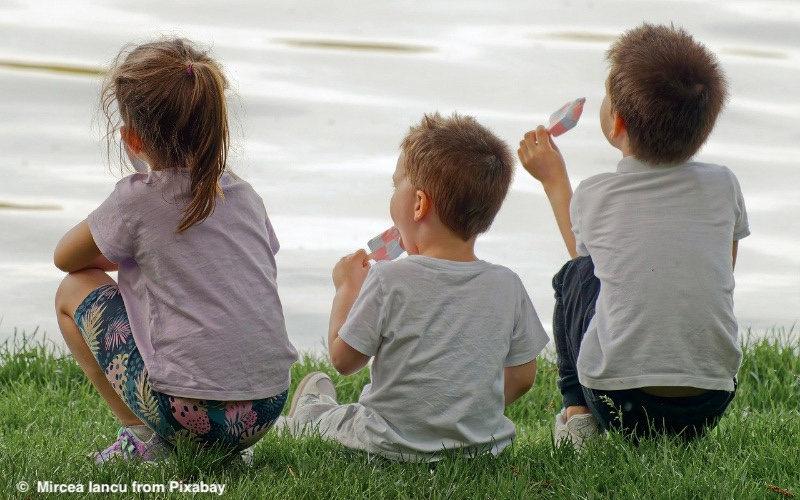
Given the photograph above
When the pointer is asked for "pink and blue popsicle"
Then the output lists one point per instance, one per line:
(385, 246)
(566, 117)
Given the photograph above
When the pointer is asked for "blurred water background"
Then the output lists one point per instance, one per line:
(325, 91)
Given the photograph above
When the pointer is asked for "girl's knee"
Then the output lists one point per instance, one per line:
(76, 286)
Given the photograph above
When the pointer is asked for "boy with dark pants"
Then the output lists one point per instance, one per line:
(644, 327)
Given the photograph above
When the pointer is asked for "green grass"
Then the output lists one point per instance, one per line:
(50, 417)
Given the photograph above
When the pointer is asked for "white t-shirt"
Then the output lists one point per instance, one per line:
(660, 239)
(441, 333)
(203, 305)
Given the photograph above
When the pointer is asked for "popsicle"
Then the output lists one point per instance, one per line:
(566, 117)
(385, 246)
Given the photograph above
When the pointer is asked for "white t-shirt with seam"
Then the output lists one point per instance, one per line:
(660, 238)
(441, 333)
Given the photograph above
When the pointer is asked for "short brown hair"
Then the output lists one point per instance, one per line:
(172, 95)
(668, 88)
(462, 166)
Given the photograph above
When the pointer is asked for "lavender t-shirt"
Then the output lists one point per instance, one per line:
(203, 304)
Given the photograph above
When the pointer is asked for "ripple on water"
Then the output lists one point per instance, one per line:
(329, 44)
(20, 206)
(52, 67)
(576, 36)
(759, 54)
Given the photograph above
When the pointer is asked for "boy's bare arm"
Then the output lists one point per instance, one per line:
(348, 276)
(734, 252)
(518, 380)
(542, 159)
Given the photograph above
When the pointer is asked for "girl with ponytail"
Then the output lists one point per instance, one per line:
(190, 342)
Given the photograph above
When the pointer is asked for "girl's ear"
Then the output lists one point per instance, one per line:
(422, 205)
(132, 141)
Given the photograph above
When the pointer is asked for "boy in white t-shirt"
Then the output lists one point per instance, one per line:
(453, 339)
(644, 326)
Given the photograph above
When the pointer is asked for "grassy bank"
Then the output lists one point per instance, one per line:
(50, 417)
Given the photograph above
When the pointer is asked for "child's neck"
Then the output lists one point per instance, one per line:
(447, 246)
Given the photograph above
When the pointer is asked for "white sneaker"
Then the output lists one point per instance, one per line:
(577, 430)
(247, 456)
(315, 387)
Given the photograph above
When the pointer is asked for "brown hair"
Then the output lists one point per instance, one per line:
(464, 168)
(668, 89)
(172, 96)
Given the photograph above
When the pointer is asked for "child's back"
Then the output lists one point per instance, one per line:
(440, 333)
(660, 239)
(644, 325)
(191, 341)
(202, 304)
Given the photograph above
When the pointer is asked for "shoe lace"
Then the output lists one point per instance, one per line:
(126, 445)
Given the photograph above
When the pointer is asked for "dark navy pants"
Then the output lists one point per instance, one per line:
(633, 412)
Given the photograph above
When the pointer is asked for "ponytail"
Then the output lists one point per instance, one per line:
(172, 96)
(209, 126)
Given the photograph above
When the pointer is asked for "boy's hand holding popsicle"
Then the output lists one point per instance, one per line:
(351, 271)
(542, 159)
(539, 154)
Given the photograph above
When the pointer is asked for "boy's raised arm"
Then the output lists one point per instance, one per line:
(348, 276)
(542, 159)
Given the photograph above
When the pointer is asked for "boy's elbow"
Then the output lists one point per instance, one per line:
(524, 385)
(519, 380)
(346, 367)
(340, 366)
(345, 359)
(527, 385)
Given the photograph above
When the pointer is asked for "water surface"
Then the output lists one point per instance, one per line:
(324, 94)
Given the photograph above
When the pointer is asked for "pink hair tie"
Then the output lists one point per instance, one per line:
(190, 69)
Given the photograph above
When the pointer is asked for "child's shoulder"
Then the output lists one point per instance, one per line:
(664, 173)
(713, 176)
(424, 262)
(711, 169)
(135, 184)
(447, 271)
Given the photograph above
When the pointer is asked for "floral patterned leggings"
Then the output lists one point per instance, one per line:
(103, 322)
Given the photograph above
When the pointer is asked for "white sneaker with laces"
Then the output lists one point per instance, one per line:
(577, 430)
(316, 387)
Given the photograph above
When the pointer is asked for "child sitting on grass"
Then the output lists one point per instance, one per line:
(191, 342)
(645, 333)
(454, 338)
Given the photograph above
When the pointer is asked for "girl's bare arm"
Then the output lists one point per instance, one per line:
(77, 250)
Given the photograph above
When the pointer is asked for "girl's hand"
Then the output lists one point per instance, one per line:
(351, 270)
(542, 159)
